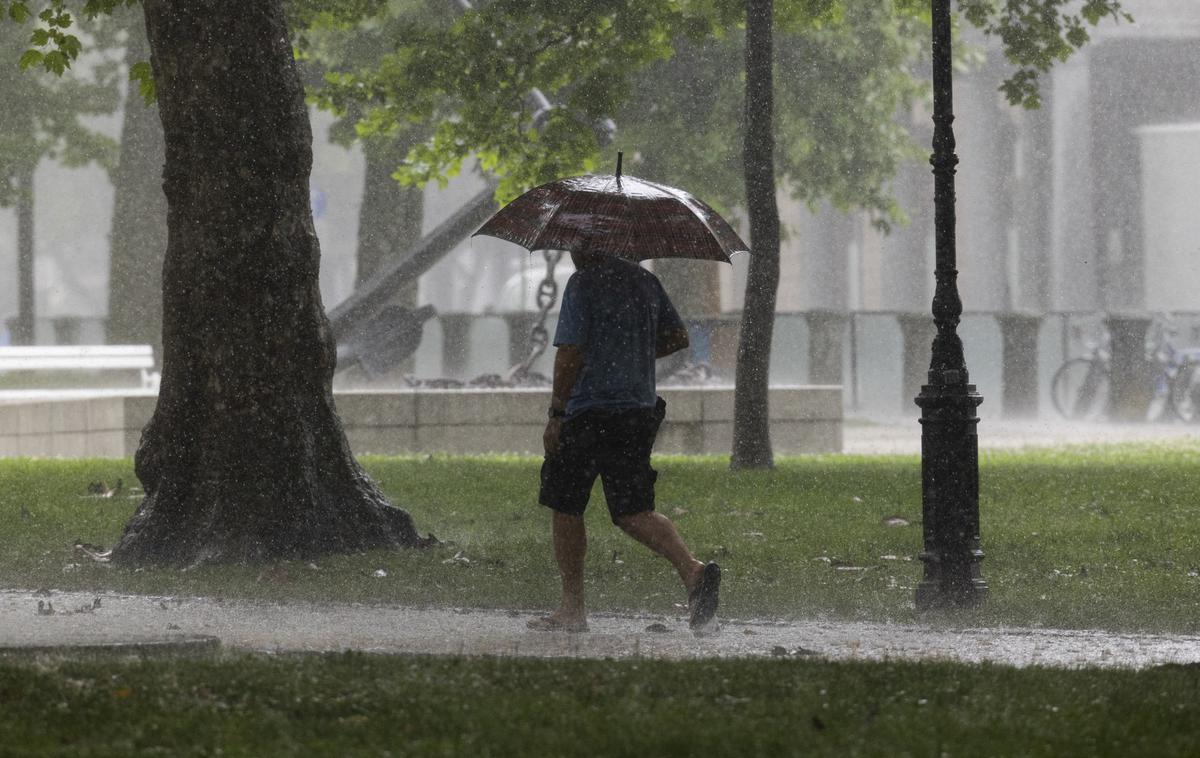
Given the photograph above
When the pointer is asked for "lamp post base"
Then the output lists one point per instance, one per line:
(950, 498)
(952, 591)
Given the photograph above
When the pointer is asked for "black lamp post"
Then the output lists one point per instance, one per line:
(949, 446)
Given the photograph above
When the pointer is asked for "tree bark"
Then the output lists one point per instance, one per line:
(751, 426)
(138, 240)
(245, 458)
(23, 326)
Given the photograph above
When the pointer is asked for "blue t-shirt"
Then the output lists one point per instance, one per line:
(615, 311)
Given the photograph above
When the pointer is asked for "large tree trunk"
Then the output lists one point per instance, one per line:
(138, 238)
(245, 458)
(751, 426)
(23, 326)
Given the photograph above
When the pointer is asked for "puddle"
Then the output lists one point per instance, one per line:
(334, 627)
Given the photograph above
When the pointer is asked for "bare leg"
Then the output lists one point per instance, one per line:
(570, 547)
(656, 532)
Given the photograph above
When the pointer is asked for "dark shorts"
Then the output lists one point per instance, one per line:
(614, 445)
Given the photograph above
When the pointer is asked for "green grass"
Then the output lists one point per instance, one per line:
(354, 704)
(1104, 537)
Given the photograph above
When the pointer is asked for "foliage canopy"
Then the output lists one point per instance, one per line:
(846, 70)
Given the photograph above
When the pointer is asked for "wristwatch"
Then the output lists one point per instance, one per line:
(557, 413)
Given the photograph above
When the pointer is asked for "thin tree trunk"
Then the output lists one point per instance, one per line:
(751, 426)
(391, 215)
(245, 458)
(23, 327)
(138, 240)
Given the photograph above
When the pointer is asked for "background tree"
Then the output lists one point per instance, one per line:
(333, 40)
(467, 76)
(43, 117)
(758, 314)
(834, 139)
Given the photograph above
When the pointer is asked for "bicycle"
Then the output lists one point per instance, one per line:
(1080, 388)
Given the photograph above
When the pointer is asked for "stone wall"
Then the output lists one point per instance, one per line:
(806, 419)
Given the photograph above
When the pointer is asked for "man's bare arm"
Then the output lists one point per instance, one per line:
(671, 342)
(568, 364)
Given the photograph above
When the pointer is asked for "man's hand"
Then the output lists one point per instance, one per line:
(551, 435)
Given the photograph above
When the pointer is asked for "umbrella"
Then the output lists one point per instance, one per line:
(620, 215)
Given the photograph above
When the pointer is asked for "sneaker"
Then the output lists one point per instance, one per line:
(703, 601)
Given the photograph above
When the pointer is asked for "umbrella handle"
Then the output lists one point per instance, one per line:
(620, 155)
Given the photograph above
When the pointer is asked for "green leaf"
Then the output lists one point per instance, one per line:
(18, 12)
(56, 61)
(40, 37)
(141, 73)
(30, 59)
(70, 45)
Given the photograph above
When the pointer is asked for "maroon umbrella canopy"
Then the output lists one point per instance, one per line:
(621, 215)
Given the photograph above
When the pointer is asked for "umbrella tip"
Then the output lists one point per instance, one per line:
(620, 156)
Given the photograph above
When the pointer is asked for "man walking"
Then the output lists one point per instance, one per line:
(614, 323)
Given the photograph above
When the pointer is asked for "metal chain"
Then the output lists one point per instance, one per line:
(539, 336)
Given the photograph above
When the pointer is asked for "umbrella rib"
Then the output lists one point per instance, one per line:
(546, 225)
(686, 199)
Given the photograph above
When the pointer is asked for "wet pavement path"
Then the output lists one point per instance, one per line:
(78, 620)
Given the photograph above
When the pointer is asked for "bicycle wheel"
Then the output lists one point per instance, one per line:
(1079, 390)
(1185, 392)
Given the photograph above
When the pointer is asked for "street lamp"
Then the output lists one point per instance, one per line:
(949, 446)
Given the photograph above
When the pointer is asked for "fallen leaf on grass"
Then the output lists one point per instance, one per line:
(895, 521)
(92, 552)
(100, 489)
(458, 558)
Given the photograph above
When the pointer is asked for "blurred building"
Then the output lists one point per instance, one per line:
(1082, 205)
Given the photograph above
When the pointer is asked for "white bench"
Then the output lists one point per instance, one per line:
(81, 358)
